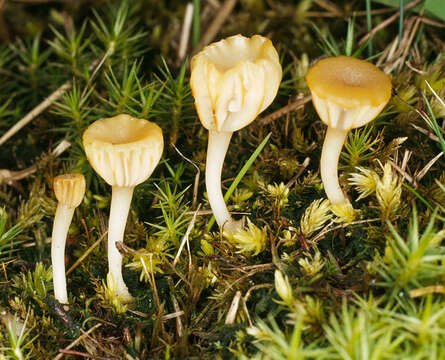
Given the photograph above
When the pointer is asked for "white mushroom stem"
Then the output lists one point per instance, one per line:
(62, 221)
(216, 152)
(120, 206)
(333, 143)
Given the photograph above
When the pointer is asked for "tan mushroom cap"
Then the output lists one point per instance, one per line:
(123, 150)
(349, 82)
(69, 189)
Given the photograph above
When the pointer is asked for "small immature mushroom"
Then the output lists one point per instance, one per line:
(69, 190)
(124, 151)
(347, 93)
(232, 81)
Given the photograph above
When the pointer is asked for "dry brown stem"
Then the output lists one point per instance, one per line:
(388, 21)
(216, 24)
(298, 104)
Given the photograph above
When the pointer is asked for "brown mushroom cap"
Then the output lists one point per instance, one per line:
(349, 82)
(69, 189)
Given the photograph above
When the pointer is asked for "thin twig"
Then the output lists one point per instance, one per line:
(78, 340)
(406, 157)
(35, 112)
(388, 21)
(327, 5)
(99, 64)
(86, 253)
(210, 212)
(215, 26)
(255, 287)
(185, 34)
(45, 104)
(8, 176)
(423, 172)
(231, 315)
(74, 352)
(410, 40)
(174, 315)
(300, 171)
(373, 12)
(179, 330)
(33, 243)
(388, 52)
(185, 238)
(431, 22)
(164, 317)
(435, 94)
(402, 172)
(421, 72)
(298, 104)
(198, 174)
(341, 226)
(440, 289)
(256, 269)
(403, 47)
(151, 277)
(246, 311)
(426, 132)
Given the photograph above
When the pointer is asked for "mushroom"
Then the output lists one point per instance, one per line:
(347, 93)
(232, 81)
(69, 190)
(124, 151)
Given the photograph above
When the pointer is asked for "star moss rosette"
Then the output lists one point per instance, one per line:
(232, 81)
(124, 151)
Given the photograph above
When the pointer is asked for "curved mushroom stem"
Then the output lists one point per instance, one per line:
(216, 152)
(333, 143)
(62, 221)
(120, 206)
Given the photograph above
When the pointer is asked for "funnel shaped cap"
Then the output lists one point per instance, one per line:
(123, 150)
(233, 80)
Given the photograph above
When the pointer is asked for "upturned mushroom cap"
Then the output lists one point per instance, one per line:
(233, 80)
(348, 92)
(123, 150)
(69, 189)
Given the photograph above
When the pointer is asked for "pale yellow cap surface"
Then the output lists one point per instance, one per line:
(233, 80)
(69, 189)
(349, 82)
(123, 150)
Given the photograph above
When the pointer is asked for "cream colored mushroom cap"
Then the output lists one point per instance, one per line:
(349, 82)
(233, 80)
(69, 189)
(123, 150)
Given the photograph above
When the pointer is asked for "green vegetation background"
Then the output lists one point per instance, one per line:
(318, 288)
